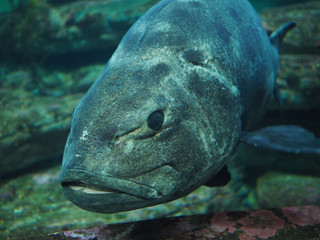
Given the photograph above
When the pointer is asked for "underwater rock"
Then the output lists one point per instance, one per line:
(96, 25)
(36, 115)
(257, 161)
(299, 82)
(299, 70)
(305, 38)
(77, 26)
(51, 29)
(32, 133)
(280, 189)
(286, 223)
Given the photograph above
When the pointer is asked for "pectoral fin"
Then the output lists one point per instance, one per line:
(290, 138)
(220, 179)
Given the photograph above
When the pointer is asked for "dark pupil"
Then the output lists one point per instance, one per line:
(155, 120)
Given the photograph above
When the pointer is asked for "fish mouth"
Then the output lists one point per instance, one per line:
(103, 193)
(82, 187)
(83, 181)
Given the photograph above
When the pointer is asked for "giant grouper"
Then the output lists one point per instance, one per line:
(185, 86)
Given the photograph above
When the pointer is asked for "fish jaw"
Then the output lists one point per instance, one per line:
(111, 194)
(104, 201)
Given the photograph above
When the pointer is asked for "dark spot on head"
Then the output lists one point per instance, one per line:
(195, 5)
(193, 56)
(194, 77)
(180, 12)
(223, 33)
(160, 70)
(196, 85)
(235, 15)
(105, 134)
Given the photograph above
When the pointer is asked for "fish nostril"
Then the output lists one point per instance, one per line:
(116, 137)
(110, 144)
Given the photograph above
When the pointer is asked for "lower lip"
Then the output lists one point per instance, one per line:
(89, 190)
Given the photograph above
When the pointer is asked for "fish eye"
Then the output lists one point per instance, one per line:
(155, 120)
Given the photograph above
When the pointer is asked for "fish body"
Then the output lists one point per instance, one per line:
(168, 110)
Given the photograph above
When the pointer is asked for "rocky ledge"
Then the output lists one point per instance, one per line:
(285, 223)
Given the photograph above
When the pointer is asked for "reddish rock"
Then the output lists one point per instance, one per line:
(261, 223)
(219, 223)
(302, 216)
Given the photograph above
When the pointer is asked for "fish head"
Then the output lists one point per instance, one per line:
(138, 139)
(119, 154)
(151, 129)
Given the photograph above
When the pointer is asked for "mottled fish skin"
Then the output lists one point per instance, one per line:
(208, 66)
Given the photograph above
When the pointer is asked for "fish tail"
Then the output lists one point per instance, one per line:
(278, 35)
